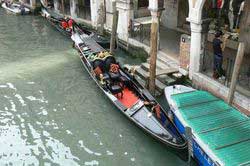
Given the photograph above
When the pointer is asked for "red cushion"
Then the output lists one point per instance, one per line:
(64, 24)
(114, 68)
(97, 71)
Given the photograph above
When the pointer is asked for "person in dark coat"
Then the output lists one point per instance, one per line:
(218, 47)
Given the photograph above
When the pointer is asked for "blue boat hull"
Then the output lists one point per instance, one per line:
(198, 153)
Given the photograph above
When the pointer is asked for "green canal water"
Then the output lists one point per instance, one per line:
(52, 113)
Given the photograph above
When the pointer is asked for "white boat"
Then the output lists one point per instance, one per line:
(16, 8)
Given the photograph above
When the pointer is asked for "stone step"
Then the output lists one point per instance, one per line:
(130, 67)
(145, 75)
(167, 61)
(123, 44)
(143, 83)
(160, 64)
(145, 66)
(159, 90)
(160, 71)
(167, 80)
(142, 73)
(164, 63)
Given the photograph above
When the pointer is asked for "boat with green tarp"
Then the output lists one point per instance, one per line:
(220, 133)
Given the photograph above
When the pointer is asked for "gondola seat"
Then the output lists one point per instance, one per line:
(114, 76)
(108, 61)
(124, 81)
(116, 90)
(106, 76)
(114, 72)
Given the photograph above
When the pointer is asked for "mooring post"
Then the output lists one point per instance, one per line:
(153, 7)
(244, 48)
(114, 27)
(188, 133)
(237, 65)
(62, 7)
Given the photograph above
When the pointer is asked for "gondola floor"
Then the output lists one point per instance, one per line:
(128, 99)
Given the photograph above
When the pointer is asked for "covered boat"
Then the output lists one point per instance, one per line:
(220, 133)
(56, 21)
(125, 92)
(16, 8)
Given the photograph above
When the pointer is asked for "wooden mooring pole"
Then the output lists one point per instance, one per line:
(153, 6)
(237, 65)
(244, 48)
(114, 27)
(62, 7)
(153, 57)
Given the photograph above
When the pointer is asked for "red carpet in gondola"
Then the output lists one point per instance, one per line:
(129, 98)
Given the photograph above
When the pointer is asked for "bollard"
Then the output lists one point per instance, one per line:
(188, 133)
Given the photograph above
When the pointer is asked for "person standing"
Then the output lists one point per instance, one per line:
(218, 47)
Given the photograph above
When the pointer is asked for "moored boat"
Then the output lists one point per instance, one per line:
(16, 8)
(134, 101)
(56, 21)
(220, 133)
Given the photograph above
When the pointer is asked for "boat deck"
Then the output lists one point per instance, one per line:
(129, 98)
(223, 129)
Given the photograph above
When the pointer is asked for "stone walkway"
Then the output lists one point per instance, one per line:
(169, 40)
(167, 69)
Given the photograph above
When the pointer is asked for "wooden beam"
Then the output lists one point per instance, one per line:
(237, 65)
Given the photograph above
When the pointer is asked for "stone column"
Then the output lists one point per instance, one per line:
(73, 9)
(56, 6)
(197, 42)
(95, 6)
(195, 48)
(125, 14)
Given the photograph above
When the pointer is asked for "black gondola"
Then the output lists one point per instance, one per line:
(132, 99)
(55, 20)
